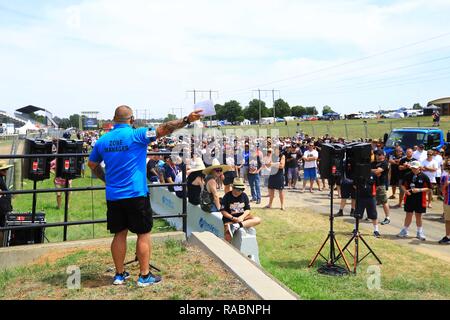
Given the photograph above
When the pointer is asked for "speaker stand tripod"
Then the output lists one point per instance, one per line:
(356, 237)
(330, 268)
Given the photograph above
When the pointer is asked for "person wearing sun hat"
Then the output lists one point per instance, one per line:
(5, 200)
(209, 198)
(236, 210)
(195, 181)
(415, 186)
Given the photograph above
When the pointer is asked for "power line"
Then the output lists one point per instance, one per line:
(273, 100)
(345, 63)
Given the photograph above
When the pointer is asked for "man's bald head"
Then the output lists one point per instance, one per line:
(123, 114)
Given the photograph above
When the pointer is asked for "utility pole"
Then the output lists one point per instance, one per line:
(273, 101)
(203, 91)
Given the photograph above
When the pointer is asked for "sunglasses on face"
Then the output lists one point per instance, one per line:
(218, 170)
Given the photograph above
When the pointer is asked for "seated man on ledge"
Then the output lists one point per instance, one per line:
(236, 210)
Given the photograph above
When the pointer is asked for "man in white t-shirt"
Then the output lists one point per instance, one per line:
(429, 168)
(310, 168)
(420, 154)
(440, 161)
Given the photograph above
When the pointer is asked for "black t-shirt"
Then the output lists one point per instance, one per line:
(382, 179)
(292, 159)
(395, 171)
(235, 206)
(367, 188)
(403, 173)
(412, 181)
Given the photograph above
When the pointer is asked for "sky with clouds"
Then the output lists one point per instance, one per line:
(82, 55)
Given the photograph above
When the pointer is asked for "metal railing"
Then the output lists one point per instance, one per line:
(66, 190)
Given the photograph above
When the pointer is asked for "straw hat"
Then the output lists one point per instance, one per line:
(4, 165)
(216, 165)
(238, 183)
(198, 165)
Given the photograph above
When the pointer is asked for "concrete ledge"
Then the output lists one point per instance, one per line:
(260, 282)
(11, 257)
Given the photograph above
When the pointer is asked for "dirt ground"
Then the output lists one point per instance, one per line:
(187, 272)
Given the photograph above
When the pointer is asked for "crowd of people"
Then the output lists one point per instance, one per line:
(293, 163)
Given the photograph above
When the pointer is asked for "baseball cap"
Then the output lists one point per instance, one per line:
(415, 164)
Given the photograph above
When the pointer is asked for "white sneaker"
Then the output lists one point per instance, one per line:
(403, 234)
(421, 236)
(232, 229)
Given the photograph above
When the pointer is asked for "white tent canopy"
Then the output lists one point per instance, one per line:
(27, 127)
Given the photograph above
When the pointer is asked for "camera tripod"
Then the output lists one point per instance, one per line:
(356, 237)
(330, 268)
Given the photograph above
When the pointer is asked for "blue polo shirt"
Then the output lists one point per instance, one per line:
(124, 151)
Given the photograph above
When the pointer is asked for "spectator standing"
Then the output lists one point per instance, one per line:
(380, 170)
(254, 169)
(429, 168)
(394, 161)
(445, 183)
(310, 157)
(276, 179)
(404, 169)
(415, 186)
(420, 154)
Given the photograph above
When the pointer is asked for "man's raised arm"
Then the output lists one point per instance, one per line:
(171, 126)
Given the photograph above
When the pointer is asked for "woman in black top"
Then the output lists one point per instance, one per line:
(276, 179)
(195, 181)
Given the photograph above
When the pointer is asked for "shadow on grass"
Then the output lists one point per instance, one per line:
(297, 264)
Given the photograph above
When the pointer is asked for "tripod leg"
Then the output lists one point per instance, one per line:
(370, 249)
(341, 254)
(318, 252)
(345, 247)
(355, 257)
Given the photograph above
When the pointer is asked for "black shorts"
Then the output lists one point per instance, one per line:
(134, 214)
(368, 204)
(414, 206)
(347, 191)
(229, 177)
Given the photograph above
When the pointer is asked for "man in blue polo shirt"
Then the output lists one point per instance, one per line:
(124, 152)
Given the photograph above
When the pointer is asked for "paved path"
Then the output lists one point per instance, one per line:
(434, 227)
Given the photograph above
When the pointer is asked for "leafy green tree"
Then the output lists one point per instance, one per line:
(327, 109)
(220, 112)
(282, 108)
(252, 111)
(298, 111)
(232, 110)
(311, 111)
(417, 106)
(170, 117)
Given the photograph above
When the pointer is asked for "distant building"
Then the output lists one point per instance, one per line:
(443, 104)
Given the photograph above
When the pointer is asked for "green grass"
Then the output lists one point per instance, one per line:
(289, 241)
(349, 129)
(187, 273)
(83, 205)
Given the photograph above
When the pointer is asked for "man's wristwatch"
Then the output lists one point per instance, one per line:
(186, 120)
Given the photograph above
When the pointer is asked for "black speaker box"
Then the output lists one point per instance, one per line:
(331, 156)
(37, 169)
(358, 161)
(24, 236)
(69, 167)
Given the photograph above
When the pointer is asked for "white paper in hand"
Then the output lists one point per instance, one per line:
(207, 106)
